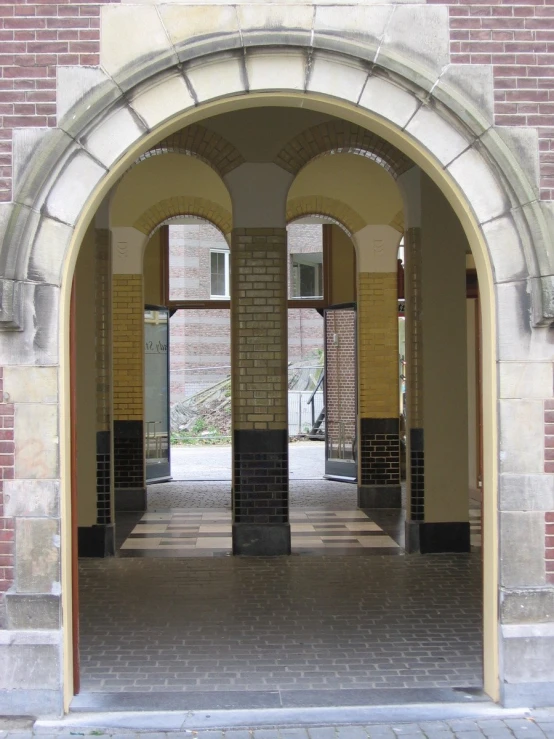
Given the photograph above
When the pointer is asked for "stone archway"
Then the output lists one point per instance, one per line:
(59, 188)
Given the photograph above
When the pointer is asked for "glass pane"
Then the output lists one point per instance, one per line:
(218, 264)
(305, 249)
(156, 393)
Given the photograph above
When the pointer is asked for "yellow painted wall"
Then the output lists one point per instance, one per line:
(161, 177)
(364, 185)
(86, 381)
(153, 270)
(343, 272)
(444, 359)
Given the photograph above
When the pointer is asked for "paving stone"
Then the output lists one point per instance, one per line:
(322, 732)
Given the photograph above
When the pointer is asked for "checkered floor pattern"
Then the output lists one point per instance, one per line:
(184, 532)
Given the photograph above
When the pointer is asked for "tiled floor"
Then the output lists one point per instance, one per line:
(181, 532)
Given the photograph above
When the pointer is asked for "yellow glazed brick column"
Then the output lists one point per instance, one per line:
(128, 390)
(378, 368)
(414, 375)
(103, 392)
(259, 390)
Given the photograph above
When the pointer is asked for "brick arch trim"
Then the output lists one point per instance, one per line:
(182, 205)
(398, 221)
(198, 141)
(323, 206)
(341, 137)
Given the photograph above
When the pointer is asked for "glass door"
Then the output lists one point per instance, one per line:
(156, 386)
(340, 392)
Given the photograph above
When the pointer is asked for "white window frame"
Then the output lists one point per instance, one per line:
(227, 274)
(295, 276)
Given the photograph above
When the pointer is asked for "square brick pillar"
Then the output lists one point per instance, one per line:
(103, 533)
(128, 368)
(378, 368)
(379, 446)
(437, 389)
(259, 391)
(415, 438)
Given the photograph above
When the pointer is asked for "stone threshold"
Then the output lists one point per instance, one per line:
(226, 700)
(475, 707)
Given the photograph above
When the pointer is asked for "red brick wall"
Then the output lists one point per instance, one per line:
(7, 462)
(35, 37)
(518, 41)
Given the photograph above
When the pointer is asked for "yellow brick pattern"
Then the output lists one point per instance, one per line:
(200, 142)
(378, 344)
(414, 327)
(128, 347)
(323, 206)
(184, 205)
(259, 328)
(341, 136)
(398, 221)
(103, 332)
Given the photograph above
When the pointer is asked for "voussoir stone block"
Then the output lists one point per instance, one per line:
(80, 90)
(72, 189)
(482, 190)
(508, 154)
(200, 28)
(522, 549)
(36, 441)
(439, 136)
(217, 78)
(46, 261)
(388, 100)
(162, 99)
(37, 555)
(282, 70)
(133, 41)
(521, 432)
(327, 74)
(468, 91)
(30, 384)
(506, 249)
(32, 498)
(116, 133)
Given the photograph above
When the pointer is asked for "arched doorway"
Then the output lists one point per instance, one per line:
(479, 201)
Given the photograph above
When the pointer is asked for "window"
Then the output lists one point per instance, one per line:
(219, 274)
(307, 275)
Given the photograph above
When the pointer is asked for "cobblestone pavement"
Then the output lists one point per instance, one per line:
(536, 725)
(217, 494)
(287, 623)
